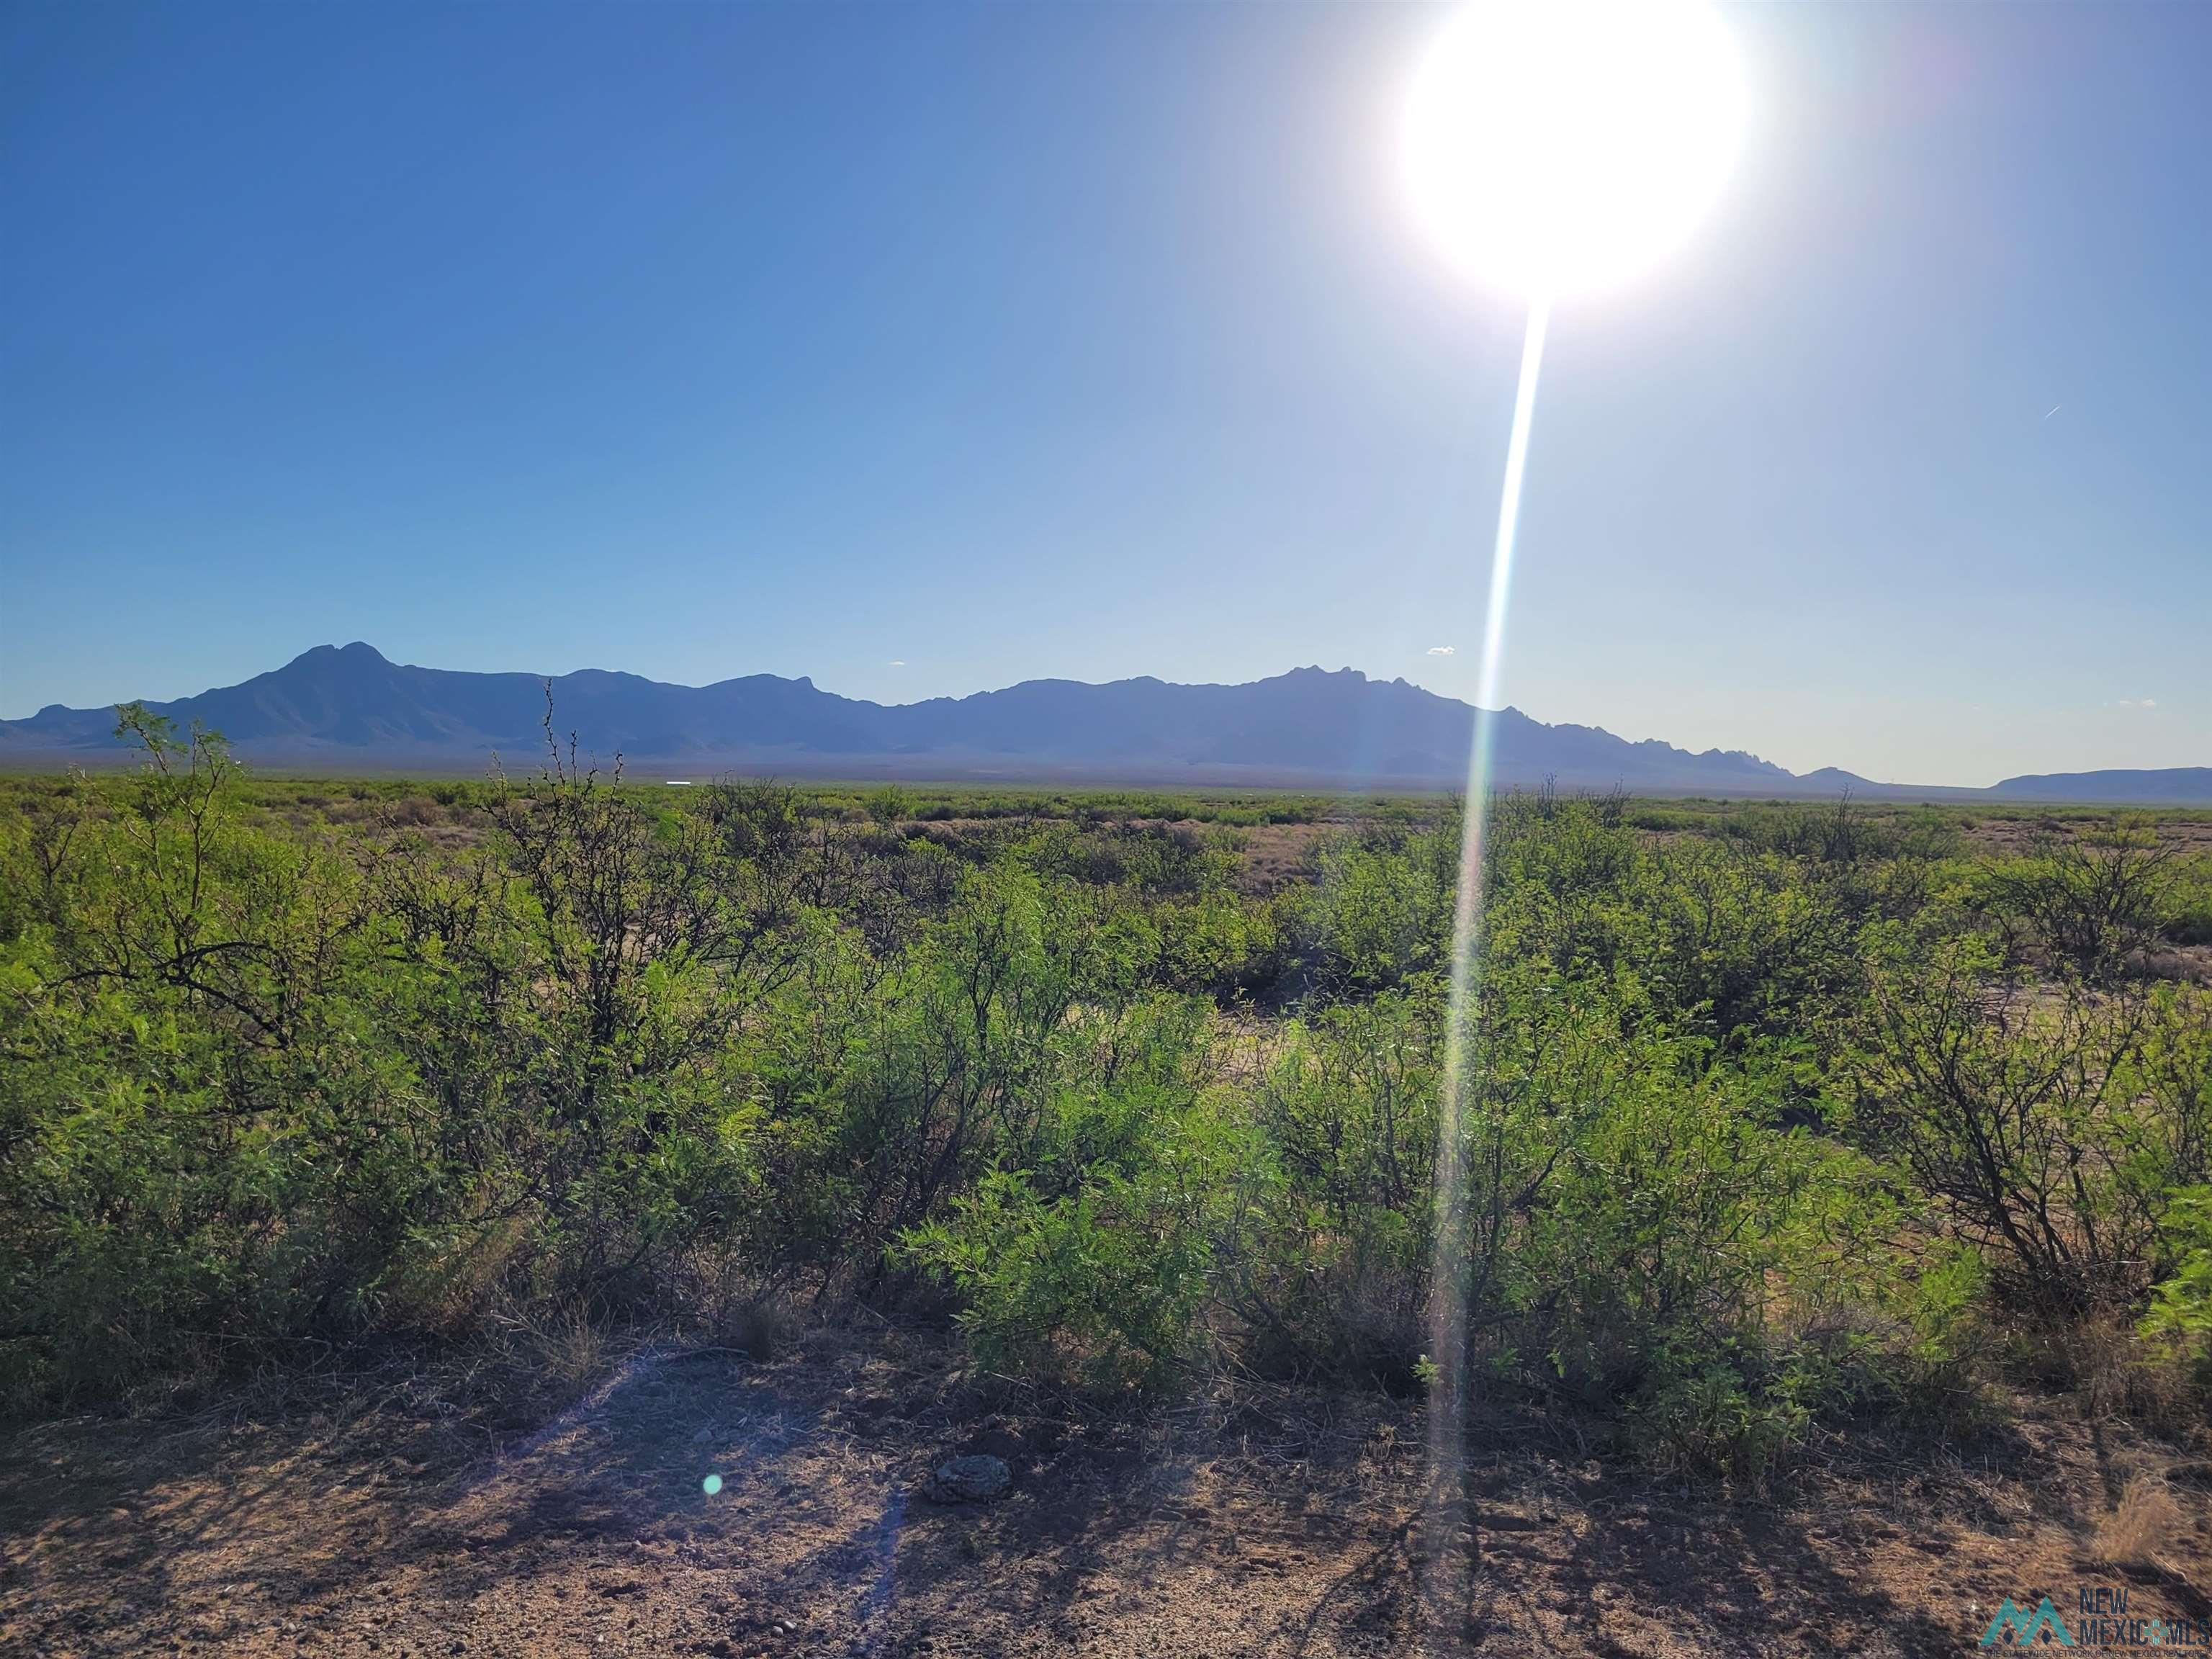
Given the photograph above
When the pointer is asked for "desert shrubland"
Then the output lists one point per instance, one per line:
(1771, 1116)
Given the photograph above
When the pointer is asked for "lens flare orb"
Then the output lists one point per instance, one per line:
(1560, 147)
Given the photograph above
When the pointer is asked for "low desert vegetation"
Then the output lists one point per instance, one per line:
(1777, 1115)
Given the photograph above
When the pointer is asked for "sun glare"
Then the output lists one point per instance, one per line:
(1558, 147)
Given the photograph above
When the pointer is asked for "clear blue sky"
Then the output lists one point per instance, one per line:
(1089, 340)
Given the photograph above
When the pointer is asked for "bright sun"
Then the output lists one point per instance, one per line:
(1560, 146)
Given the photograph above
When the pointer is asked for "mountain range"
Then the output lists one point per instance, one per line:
(336, 707)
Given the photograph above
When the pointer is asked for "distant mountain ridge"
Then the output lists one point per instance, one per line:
(337, 706)
(2179, 786)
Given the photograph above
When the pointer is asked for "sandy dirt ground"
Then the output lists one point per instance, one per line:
(375, 1517)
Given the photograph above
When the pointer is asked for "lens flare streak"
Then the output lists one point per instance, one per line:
(1449, 1547)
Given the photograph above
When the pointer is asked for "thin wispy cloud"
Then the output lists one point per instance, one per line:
(1442, 650)
(897, 662)
(2137, 703)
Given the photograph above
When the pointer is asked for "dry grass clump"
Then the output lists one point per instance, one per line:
(2144, 1529)
(2122, 1375)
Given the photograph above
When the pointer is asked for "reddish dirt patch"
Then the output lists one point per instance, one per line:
(2022, 834)
(1279, 855)
(376, 1523)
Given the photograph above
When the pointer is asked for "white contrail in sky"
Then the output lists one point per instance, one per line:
(2053, 410)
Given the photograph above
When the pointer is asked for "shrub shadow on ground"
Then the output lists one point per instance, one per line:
(387, 1523)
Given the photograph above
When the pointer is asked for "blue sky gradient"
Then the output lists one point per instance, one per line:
(1091, 340)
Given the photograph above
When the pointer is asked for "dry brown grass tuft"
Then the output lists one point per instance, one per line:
(2144, 1529)
(566, 1347)
(2119, 1374)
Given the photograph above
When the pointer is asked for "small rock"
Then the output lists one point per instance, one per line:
(976, 1479)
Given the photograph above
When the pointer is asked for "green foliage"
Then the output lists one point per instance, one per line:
(1946, 1302)
(2047, 1126)
(2188, 919)
(1091, 1261)
(2088, 902)
(1724, 1410)
(1762, 1112)
(1377, 917)
(199, 1139)
(1336, 1282)
(2181, 1305)
(1627, 1202)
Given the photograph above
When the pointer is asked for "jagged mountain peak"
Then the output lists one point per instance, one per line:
(349, 705)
